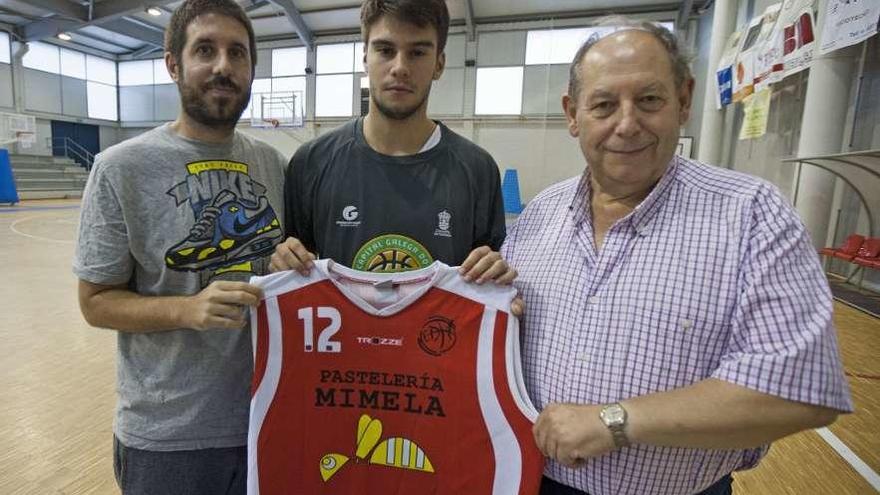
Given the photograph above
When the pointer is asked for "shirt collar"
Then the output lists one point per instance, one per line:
(641, 218)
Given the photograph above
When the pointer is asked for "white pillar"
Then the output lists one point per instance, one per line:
(822, 130)
(712, 123)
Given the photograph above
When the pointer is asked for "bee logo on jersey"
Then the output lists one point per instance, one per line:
(234, 223)
(395, 452)
(391, 253)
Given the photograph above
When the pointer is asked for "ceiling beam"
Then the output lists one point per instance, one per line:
(135, 30)
(142, 52)
(684, 13)
(299, 24)
(121, 7)
(469, 20)
(73, 17)
(62, 7)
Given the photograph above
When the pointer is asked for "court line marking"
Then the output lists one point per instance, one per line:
(13, 228)
(14, 209)
(849, 456)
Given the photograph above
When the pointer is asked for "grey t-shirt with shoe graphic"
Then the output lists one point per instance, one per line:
(167, 216)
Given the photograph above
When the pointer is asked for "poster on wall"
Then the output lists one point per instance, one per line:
(724, 71)
(848, 22)
(744, 68)
(756, 110)
(768, 52)
(798, 38)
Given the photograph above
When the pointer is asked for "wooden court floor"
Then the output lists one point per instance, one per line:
(57, 379)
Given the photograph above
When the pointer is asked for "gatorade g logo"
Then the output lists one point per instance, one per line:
(350, 213)
(391, 253)
(350, 216)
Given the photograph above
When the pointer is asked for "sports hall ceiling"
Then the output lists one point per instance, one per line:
(123, 27)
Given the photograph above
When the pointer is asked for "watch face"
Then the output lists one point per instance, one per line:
(613, 414)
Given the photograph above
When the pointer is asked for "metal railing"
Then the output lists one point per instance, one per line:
(73, 150)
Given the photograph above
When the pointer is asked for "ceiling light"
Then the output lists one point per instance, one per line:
(154, 11)
(64, 36)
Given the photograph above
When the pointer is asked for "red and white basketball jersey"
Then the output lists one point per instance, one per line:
(395, 383)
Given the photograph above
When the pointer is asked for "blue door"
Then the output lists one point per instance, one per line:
(84, 135)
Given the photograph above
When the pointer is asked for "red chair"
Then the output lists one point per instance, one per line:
(848, 250)
(868, 256)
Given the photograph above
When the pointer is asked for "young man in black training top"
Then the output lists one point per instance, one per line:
(396, 190)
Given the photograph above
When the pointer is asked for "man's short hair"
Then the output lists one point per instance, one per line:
(421, 13)
(188, 11)
(678, 57)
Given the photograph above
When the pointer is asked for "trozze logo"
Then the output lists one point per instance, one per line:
(350, 216)
(443, 224)
(388, 341)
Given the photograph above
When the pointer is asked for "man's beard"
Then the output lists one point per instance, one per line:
(221, 113)
(401, 114)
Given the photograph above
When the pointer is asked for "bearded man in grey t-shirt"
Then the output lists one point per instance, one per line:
(173, 223)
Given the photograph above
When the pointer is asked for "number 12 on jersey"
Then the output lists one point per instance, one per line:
(307, 315)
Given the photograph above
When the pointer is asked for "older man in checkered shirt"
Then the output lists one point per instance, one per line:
(678, 320)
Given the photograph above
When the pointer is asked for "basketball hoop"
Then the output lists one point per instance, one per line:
(279, 109)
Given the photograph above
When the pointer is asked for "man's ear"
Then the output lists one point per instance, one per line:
(440, 66)
(685, 99)
(569, 106)
(172, 66)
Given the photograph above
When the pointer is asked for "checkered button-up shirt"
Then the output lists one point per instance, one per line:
(712, 276)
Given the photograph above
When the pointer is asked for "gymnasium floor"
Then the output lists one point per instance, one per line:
(57, 382)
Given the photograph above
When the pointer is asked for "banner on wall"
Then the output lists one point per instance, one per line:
(724, 71)
(798, 38)
(848, 22)
(756, 110)
(768, 52)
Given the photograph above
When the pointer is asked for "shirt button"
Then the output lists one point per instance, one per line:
(687, 324)
(593, 299)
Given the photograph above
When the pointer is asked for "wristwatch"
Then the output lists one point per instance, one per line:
(614, 417)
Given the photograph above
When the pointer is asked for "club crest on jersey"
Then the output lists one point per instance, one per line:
(444, 219)
(437, 336)
(350, 215)
(391, 253)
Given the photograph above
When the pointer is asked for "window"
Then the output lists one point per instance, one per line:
(101, 90)
(5, 57)
(558, 46)
(100, 70)
(335, 59)
(73, 64)
(289, 62)
(160, 72)
(554, 46)
(136, 73)
(42, 56)
(333, 95)
(334, 87)
(102, 101)
(499, 91)
(359, 57)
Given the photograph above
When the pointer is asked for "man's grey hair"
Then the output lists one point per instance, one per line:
(679, 57)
